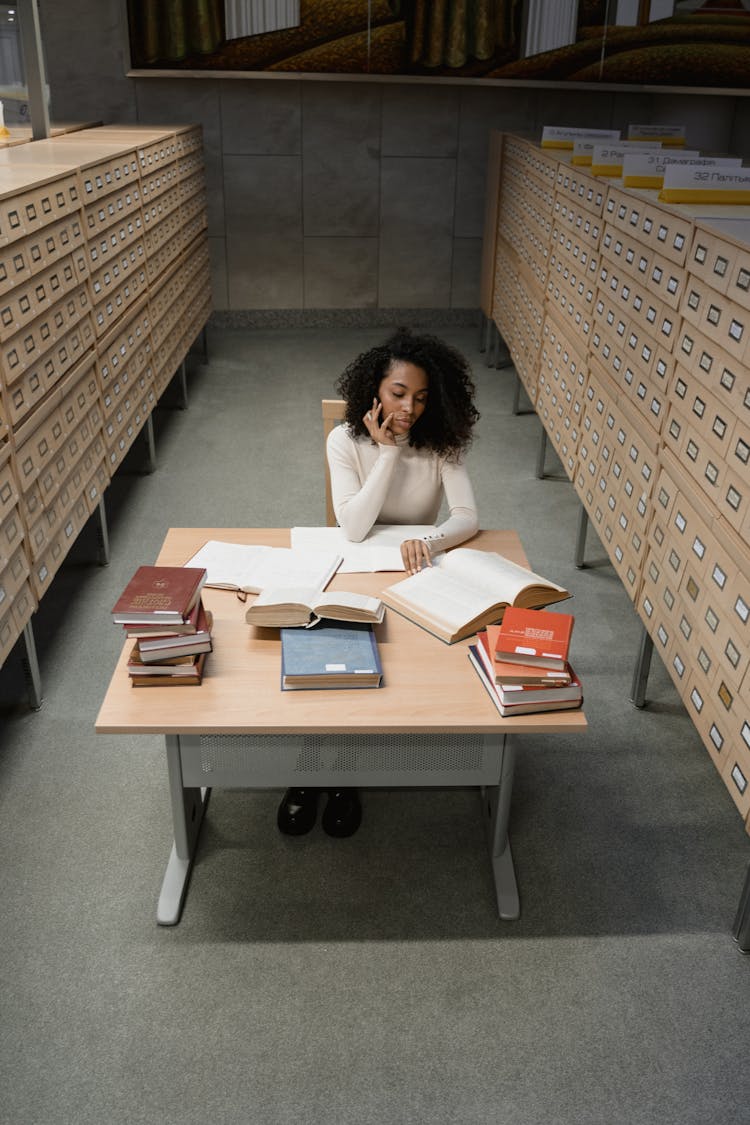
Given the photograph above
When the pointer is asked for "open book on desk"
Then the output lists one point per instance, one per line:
(465, 590)
(238, 566)
(380, 550)
(288, 607)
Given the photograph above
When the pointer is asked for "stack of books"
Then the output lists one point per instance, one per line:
(523, 662)
(161, 610)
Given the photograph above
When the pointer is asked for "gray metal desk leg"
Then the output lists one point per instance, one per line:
(31, 668)
(640, 673)
(496, 811)
(103, 533)
(741, 930)
(541, 454)
(188, 808)
(204, 344)
(583, 523)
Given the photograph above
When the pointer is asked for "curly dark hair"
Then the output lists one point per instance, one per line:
(449, 417)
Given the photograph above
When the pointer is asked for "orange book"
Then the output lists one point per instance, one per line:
(510, 673)
(534, 637)
(163, 594)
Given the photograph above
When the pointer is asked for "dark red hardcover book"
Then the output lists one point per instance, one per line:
(158, 629)
(159, 593)
(155, 648)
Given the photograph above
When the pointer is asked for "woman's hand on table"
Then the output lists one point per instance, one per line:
(415, 554)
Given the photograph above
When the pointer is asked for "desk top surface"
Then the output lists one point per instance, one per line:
(428, 686)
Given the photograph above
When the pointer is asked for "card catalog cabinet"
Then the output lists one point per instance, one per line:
(104, 284)
(638, 364)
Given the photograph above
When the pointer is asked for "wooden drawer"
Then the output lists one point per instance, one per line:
(38, 379)
(667, 232)
(124, 345)
(577, 221)
(106, 177)
(114, 208)
(11, 534)
(644, 309)
(161, 178)
(164, 232)
(715, 315)
(124, 295)
(26, 210)
(164, 151)
(8, 484)
(188, 139)
(25, 348)
(30, 300)
(580, 187)
(720, 373)
(712, 259)
(105, 244)
(30, 255)
(121, 265)
(707, 414)
(40, 439)
(13, 574)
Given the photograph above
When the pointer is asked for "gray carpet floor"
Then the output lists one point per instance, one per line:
(365, 980)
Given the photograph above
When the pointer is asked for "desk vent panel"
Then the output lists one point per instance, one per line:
(260, 760)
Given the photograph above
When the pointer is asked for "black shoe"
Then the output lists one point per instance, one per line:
(343, 813)
(297, 811)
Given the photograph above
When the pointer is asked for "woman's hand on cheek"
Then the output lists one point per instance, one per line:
(378, 430)
(415, 554)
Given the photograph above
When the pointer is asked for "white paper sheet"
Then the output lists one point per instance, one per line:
(381, 550)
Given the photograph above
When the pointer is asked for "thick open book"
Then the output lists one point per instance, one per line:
(466, 590)
(237, 566)
(290, 606)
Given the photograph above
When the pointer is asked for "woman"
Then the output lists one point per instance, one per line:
(409, 419)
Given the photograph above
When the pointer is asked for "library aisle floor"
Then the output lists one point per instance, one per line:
(366, 980)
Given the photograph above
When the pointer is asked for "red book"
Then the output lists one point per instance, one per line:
(555, 699)
(158, 629)
(194, 676)
(509, 672)
(153, 650)
(164, 594)
(534, 636)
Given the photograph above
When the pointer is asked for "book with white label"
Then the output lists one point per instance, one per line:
(248, 568)
(465, 590)
(290, 607)
(555, 699)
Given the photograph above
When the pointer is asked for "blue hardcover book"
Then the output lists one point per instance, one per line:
(330, 656)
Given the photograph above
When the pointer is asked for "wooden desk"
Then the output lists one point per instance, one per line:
(431, 724)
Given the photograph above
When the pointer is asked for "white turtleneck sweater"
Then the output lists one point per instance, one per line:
(389, 484)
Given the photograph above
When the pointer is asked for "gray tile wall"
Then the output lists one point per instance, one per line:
(345, 194)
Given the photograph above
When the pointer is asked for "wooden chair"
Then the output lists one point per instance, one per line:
(334, 412)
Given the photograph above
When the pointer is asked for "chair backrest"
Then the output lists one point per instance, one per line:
(334, 412)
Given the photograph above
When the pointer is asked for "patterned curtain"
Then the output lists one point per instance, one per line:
(451, 32)
(172, 29)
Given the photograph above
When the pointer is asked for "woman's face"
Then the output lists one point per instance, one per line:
(403, 392)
